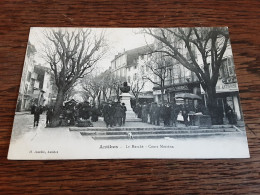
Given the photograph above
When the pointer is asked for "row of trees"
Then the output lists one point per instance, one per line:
(101, 87)
(205, 47)
(72, 55)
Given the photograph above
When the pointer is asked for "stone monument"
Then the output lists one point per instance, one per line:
(125, 98)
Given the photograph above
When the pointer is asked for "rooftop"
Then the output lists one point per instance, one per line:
(133, 54)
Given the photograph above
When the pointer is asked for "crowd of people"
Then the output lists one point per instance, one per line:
(114, 113)
(168, 113)
(154, 113)
(70, 113)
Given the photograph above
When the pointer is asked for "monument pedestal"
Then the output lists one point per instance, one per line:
(130, 115)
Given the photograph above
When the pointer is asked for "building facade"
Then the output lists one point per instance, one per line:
(24, 99)
(44, 88)
(130, 66)
(227, 91)
(38, 88)
(177, 78)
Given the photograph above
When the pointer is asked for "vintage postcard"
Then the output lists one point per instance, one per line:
(128, 93)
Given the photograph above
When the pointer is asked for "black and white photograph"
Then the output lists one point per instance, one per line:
(128, 93)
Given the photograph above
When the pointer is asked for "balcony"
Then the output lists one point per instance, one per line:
(181, 80)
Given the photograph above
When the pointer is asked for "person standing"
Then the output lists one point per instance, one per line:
(174, 114)
(230, 115)
(157, 114)
(33, 109)
(138, 110)
(111, 115)
(144, 113)
(106, 114)
(118, 114)
(152, 113)
(185, 113)
(94, 114)
(49, 116)
(166, 114)
(36, 114)
(124, 113)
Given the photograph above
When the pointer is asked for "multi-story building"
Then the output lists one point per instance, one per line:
(227, 91)
(177, 78)
(23, 101)
(130, 66)
(38, 88)
(43, 88)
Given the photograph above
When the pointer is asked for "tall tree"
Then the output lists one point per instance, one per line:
(138, 82)
(105, 84)
(71, 55)
(136, 87)
(205, 49)
(158, 65)
(93, 87)
(115, 84)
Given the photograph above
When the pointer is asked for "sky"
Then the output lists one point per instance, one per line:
(118, 40)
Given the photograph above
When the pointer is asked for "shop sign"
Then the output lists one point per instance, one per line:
(158, 92)
(229, 87)
(179, 88)
(179, 101)
(224, 87)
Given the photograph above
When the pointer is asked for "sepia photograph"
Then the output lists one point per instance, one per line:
(128, 93)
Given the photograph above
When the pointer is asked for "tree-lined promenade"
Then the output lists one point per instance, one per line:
(72, 55)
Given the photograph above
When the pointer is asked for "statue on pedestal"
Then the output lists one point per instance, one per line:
(125, 88)
(125, 99)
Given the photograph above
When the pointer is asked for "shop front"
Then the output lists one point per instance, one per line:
(171, 91)
(227, 93)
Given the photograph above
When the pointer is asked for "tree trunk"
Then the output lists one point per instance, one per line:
(55, 121)
(136, 100)
(162, 90)
(212, 105)
(162, 99)
(99, 98)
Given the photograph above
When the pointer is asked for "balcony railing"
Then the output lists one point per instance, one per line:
(181, 80)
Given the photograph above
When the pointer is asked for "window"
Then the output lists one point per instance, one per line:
(29, 76)
(223, 69)
(129, 79)
(227, 69)
(230, 67)
(135, 76)
(26, 89)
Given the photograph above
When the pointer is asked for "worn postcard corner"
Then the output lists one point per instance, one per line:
(128, 93)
